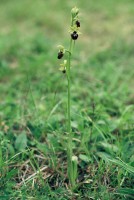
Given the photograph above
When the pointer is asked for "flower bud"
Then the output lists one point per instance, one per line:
(63, 66)
(75, 159)
(75, 11)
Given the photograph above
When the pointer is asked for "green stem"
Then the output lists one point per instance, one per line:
(70, 137)
(70, 168)
(69, 101)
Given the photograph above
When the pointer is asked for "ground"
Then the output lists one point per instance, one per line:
(33, 96)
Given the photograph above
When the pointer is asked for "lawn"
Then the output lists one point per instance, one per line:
(33, 100)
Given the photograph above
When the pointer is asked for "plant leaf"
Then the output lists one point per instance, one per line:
(117, 161)
(21, 142)
(126, 191)
(84, 158)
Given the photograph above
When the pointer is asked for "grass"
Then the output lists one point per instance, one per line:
(33, 134)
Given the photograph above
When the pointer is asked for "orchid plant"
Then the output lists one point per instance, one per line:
(65, 67)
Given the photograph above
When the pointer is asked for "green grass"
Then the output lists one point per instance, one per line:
(33, 100)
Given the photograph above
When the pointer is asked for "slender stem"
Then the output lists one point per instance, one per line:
(69, 101)
(70, 168)
(70, 136)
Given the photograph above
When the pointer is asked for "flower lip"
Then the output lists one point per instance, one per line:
(74, 35)
(60, 55)
(64, 71)
(77, 23)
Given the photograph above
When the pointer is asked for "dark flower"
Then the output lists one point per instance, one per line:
(64, 71)
(77, 23)
(74, 35)
(60, 55)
